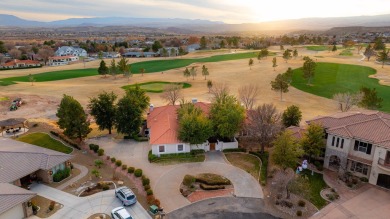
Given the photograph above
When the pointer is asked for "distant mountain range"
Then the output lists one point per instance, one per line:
(203, 25)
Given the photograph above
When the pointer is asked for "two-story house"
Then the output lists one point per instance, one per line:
(358, 142)
(71, 51)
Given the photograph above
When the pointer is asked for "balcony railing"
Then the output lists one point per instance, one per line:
(384, 163)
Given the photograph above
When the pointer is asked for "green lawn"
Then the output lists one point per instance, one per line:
(149, 66)
(45, 141)
(166, 159)
(317, 183)
(320, 47)
(331, 78)
(155, 86)
(4, 98)
(346, 52)
(247, 162)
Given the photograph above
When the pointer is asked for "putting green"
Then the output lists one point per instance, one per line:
(155, 86)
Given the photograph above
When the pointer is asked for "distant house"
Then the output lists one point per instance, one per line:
(70, 51)
(193, 47)
(111, 55)
(16, 63)
(20, 164)
(162, 124)
(62, 60)
(139, 54)
(358, 142)
(169, 51)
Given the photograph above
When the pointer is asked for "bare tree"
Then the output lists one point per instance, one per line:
(15, 53)
(247, 94)
(219, 90)
(347, 100)
(45, 52)
(265, 124)
(172, 93)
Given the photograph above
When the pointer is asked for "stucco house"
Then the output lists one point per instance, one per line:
(16, 63)
(62, 60)
(20, 164)
(358, 142)
(71, 51)
(163, 126)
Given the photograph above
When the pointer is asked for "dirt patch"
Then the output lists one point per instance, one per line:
(199, 195)
(43, 206)
(99, 187)
(99, 216)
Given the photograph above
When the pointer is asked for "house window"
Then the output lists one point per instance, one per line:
(342, 143)
(362, 147)
(333, 141)
(161, 148)
(359, 168)
(180, 147)
(337, 144)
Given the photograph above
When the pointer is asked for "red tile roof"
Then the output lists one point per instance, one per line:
(371, 126)
(296, 131)
(163, 123)
(17, 61)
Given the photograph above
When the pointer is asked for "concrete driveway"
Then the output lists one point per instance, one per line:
(166, 179)
(83, 207)
(374, 203)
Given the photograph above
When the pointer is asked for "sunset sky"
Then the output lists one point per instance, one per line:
(229, 11)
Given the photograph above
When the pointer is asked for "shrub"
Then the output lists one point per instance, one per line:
(354, 181)
(124, 166)
(211, 187)
(197, 151)
(317, 163)
(54, 133)
(151, 157)
(146, 187)
(234, 150)
(364, 179)
(35, 125)
(118, 163)
(150, 199)
(157, 202)
(286, 203)
(113, 159)
(100, 152)
(349, 184)
(301, 203)
(94, 147)
(91, 146)
(188, 180)
(130, 170)
(332, 190)
(51, 206)
(138, 173)
(320, 168)
(145, 181)
(299, 213)
(108, 158)
(212, 179)
(105, 187)
(61, 174)
(149, 192)
(98, 163)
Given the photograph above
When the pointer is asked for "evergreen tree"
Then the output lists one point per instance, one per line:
(205, 71)
(113, 68)
(295, 53)
(209, 85)
(383, 56)
(103, 69)
(187, 73)
(203, 42)
(369, 52)
(287, 55)
(156, 46)
(193, 72)
(250, 63)
(379, 45)
(370, 99)
(274, 65)
(334, 48)
(103, 108)
(309, 67)
(292, 116)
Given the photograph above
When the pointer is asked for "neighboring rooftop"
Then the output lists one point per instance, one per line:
(18, 159)
(296, 131)
(371, 126)
(11, 195)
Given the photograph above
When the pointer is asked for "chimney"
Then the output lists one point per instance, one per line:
(194, 100)
(151, 107)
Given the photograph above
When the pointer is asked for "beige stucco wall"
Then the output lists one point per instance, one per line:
(380, 152)
(13, 213)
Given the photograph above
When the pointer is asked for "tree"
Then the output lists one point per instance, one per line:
(222, 44)
(130, 109)
(3, 49)
(274, 65)
(45, 53)
(103, 108)
(193, 72)
(100, 55)
(383, 56)
(295, 53)
(370, 99)
(227, 115)
(96, 173)
(347, 100)
(247, 95)
(359, 48)
(172, 93)
(219, 90)
(194, 126)
(286, 150)
(15, 53)
(164, 52)
(113, 68)
(142, 71)
(378, 44)
(123, 66)
(31, 79)
(280, 84)
(287, 55)
(265, 123)
(103, 69)
(98, 163)
(250, 63)
(205, 71)
(172, 52)
(369, 52)
(334, 48)
(292, 116)
(264, 52)
(72, 118)
(187, 73)
(313, 140)
(309, 67)
(156, 46)
(203, 42)
(209, 85)
(281, 47)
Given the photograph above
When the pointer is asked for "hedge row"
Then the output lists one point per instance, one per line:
(234, 150)
(63, 138)
(153, 158)
(264, 165)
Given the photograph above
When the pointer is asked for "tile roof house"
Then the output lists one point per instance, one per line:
(16, 63)
(358, 142)
(162, 124)
(62, 60)
(19, 164)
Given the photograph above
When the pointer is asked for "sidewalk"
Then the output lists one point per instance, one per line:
(83, 172)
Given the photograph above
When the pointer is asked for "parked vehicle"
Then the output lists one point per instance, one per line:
(120, 213)
(126, 196)
(15, 104)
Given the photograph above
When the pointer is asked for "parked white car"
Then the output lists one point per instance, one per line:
(120, 213)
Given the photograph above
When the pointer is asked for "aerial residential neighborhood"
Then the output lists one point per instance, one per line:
(194, 109)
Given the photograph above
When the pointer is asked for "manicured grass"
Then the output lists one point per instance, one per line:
(317, 48)
(4, 98)
(317, 183)
(247, 162)
(45, 141)
(264, 166)
(346, 52)
(155, 86)
(165, 159)
(331, 78)
(149, 66)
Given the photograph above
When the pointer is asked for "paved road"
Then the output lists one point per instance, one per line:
(224, 207)
(83, 207)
